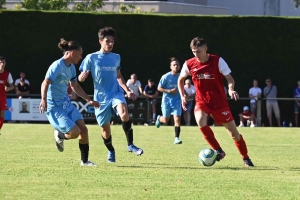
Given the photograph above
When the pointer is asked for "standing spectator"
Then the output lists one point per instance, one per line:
(22, 76)
(135, 85)
(5, 78)
(190, 93)
(254, 93)
(297, 102)
(246, 115)
(151, 92)
(22, 88)
(270, 91)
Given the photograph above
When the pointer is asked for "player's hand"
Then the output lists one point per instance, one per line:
(6, 88)
(173, 91)
(131, 95)
(233, 94)
(184, 102)
(43, 106)
(84, 75)
(94, 103)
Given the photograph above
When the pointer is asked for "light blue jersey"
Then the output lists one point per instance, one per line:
(59, 74)
(61, 113)
(103, 68)
(107, 91)
(171, 103)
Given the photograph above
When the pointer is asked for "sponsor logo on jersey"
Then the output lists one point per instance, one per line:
(225, 113)
(205, 76)
(107, 68)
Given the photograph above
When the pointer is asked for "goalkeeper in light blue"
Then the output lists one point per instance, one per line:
(109, 84)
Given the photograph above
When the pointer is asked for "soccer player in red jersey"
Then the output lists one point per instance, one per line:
(207, 72)
(5, 79)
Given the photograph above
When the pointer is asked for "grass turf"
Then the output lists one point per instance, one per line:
(32, 168)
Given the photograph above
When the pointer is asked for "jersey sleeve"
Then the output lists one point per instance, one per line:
(53, 72)
(185, 70)
(146, 88)
(223, 67)
(86, 64)
(128, 82)
(119, 63)
(74, 76)
(162, 82)
(139, 83)
(10, 79)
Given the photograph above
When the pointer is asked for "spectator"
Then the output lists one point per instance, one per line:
(22, 88)
(254, 93)
(22, 75)
(246, 116)
(135, 85)
(190, 92)
(270, 91)
(297, 103)
(151, 92)
(24, 108)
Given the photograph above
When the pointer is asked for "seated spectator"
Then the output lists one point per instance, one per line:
(190, 92)
(22, 75)
(135, 85)
(151, 92)
(22, 88)
(297, 103)
(246, 116)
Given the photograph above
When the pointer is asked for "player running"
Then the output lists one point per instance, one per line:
(5, 78)
(61, 113)
(207, 71)
(108, 90)
(170, 104)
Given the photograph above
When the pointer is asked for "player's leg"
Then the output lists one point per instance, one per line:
(176, 112)
(3, 108)
(296, 111)
(166, 112)
(201, 120)
(239, 142)
(277, 113)
(153, 105)
(120, 104)
(103, 116)
(269, 112)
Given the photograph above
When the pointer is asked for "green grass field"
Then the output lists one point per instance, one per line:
(32, 168)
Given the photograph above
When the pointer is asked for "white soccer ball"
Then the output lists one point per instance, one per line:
(207, 157)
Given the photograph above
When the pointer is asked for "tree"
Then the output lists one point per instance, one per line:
(2, 2)
(88, 5)
(45, 4)
(297, 3)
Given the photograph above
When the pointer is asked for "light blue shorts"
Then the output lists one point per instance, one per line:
(169, 109)
(63, 118)
(104, 113)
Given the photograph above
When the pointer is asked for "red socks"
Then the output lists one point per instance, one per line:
(210, 137)
(1, 122)
(242, 147)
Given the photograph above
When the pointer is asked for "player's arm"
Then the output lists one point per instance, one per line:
(183, 74)
(123, 85)
(85, 67)
(10, 82)
(80, 92)
(145, 93)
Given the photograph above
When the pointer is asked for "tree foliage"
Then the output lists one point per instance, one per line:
(88, 5)
(2, 2)
(297, 3)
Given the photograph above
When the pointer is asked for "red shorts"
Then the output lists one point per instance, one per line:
(220, 116)
(3, 105)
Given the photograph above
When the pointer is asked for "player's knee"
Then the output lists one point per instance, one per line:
(75, 132)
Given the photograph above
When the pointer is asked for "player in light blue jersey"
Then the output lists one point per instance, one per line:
(109, 84)
(61, 113)
(171, 101)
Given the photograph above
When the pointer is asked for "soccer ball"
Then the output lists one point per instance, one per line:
(207, 157)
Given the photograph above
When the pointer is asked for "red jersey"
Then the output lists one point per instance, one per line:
(248, 114)
(208, 81)
(3, 81)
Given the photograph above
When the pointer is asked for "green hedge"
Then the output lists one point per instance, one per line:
(254, 47)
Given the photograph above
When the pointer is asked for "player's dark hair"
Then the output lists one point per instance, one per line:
(174, 59)
(64, 45)
(107, 31)
(150, 80)
(197, 42)
(2, 58)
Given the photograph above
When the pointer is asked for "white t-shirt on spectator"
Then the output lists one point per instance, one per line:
(134, 87)
(190, 91)
(254, 92)
(18, 81)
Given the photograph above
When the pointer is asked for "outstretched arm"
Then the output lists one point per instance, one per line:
(80, 92)
(232, 93)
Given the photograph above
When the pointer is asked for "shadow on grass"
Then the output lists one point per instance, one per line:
(167, 166)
